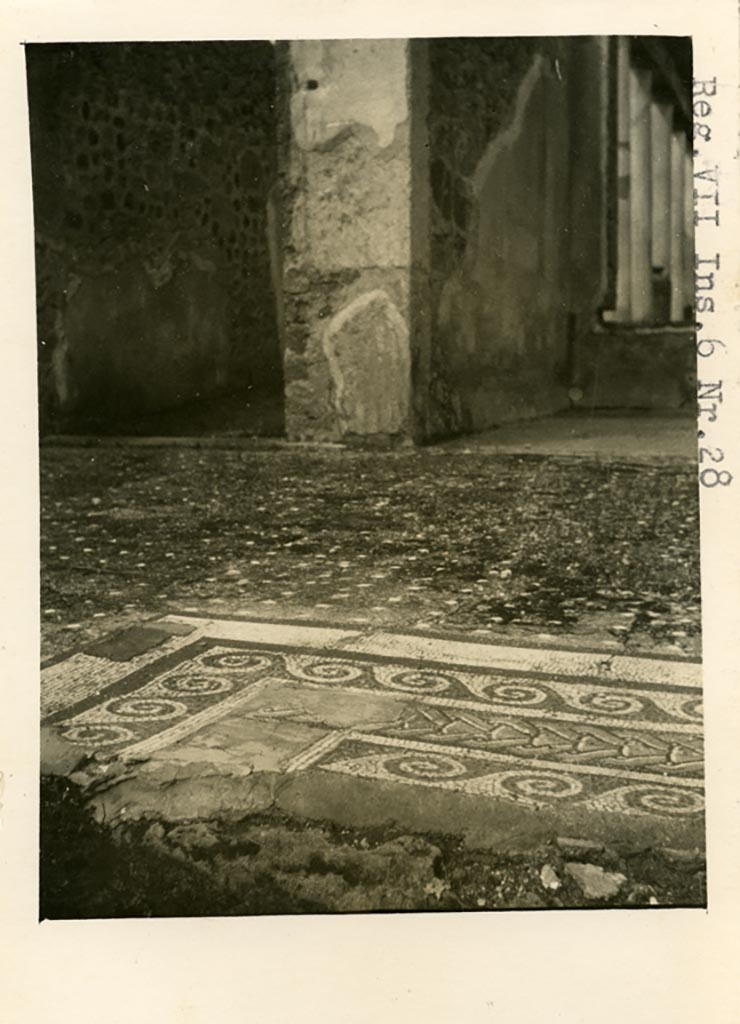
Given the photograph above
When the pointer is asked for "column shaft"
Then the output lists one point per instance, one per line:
(641, 290)
(678, 187)
(624, 277)
(688, 228)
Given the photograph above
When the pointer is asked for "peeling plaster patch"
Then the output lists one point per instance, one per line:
(367, 348)
(201, 262)
(461, 297)
(507, 138)
(342, 97)
(496, 150)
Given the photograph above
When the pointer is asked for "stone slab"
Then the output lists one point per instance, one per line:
(483, 822)
(263, 632)
(136, 640)
(239, 744)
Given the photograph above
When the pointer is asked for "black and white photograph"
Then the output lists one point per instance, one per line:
(369, 494)
(369, 554)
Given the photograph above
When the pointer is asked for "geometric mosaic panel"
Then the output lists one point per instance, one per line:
(611, 746)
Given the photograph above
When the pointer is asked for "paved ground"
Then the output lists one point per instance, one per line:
(628, 438)
(526, 545)
(448, 646)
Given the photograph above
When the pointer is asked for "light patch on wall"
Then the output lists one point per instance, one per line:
(334, 89)
(367, 350)
(507, 138)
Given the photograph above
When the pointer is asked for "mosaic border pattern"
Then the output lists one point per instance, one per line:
(531, 784)
(609, 746)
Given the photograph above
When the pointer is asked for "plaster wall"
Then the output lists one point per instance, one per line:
(346, 227)
(517, 224)
(638, 368)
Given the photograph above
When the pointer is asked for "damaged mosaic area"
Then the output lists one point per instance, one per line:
(535, 739)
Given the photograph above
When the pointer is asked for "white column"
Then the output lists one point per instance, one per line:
(661, 124)
(688, 226)
(678, 192)
(622, 306)
(641, 290)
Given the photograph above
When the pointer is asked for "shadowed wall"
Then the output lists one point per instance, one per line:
(152, 168)
(517, 179)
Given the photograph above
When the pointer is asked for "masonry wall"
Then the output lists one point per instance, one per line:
(347, 196)
(153, 167)
(517, 174)
(637, 368)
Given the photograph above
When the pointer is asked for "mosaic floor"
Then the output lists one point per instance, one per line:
(612, 733)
